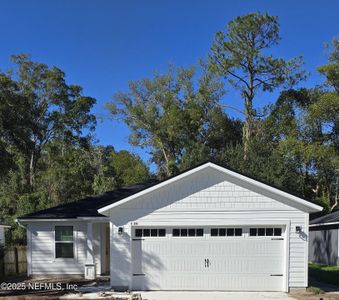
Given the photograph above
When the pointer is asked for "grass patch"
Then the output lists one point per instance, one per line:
(324, 273)
(315, 290)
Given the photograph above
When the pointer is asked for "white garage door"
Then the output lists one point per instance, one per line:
(208, 258)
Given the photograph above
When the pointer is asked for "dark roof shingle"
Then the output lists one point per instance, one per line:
(88, 207)
(330, 218)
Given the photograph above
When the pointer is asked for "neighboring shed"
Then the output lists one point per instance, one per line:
(2, 233)
(324, 239)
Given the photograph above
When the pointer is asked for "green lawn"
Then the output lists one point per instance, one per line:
(323, 273)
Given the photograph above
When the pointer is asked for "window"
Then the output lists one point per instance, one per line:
(269, 231)
(190, 232)
(149, 232)
(277, 231)
(226, 231)
(64, 242)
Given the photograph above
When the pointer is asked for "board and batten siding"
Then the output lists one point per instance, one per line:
(2, 235)
(207, 197)
(41, 249)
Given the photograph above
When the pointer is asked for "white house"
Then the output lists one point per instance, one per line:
(208, 228)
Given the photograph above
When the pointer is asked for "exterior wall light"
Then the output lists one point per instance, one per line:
(120, 230)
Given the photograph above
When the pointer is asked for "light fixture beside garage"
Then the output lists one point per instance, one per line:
(298, 229)
(120, 230)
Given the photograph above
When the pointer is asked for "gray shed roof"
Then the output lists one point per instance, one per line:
(329, 218)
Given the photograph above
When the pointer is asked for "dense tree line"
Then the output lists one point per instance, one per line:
(49, 157)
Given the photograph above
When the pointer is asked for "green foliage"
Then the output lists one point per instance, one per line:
(240, 55)
(324, 273)
(47, 153)
(177, 116)
(315, 290)
(117, 169)
(241, 49)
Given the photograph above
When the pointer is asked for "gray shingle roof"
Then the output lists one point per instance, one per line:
(330, 218)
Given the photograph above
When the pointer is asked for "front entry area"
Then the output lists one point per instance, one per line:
(236, 258)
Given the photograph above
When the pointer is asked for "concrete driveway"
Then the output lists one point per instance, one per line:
(214, 296)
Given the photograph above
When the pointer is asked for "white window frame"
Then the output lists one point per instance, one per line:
(64, 242)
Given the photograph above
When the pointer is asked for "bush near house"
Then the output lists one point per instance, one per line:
(324, 273)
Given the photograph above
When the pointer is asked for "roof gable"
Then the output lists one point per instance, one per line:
(233, 177)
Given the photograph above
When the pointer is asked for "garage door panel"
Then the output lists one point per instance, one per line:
(210, 263)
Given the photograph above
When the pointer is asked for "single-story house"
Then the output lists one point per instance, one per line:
(324, 239)
(208, 228)
(3, 227)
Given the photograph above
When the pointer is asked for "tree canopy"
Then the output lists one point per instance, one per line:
(48, 154)
(240, 55)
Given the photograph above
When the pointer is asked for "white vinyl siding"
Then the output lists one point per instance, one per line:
(41, 245)
(208, 198)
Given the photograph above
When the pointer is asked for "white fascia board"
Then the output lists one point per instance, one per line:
(92, 219)
(311, 207)
(99, 219)
(324, 224)
(45, 220)
(5, 226)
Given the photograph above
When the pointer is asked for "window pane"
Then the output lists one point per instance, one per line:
(64, 233)
(138, 232)
(269, 231)
(277, 231)
(230, 231)
(147, 232)
(214, 232)
(253, 231)
(183, 232)
(222, 231)
(191, 232)
(176, 232)
(64, 250)
(154, 232)
(238, 232)
(261, 231)
(162, 232)
(200, 232)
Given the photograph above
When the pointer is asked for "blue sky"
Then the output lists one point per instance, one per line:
(103, 44)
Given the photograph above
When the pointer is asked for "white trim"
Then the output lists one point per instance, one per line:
(306, 248)
(311, 207)
(29, 252)
(99, 219)
(287, 255)
(93, 219)
(324, 224)
(5, 226)
(230, 222)
(46, 220)
(66, 242)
